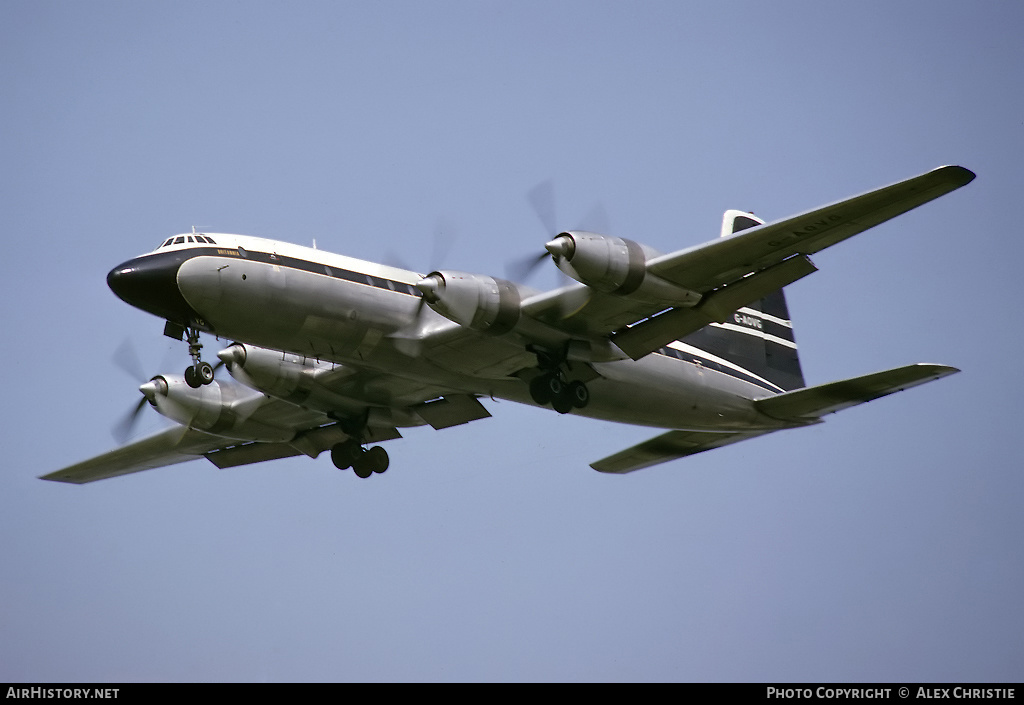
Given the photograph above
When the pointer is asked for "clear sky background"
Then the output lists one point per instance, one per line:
(884, 545)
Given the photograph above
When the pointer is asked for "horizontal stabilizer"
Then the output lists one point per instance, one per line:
(814, 402)
(668, 446)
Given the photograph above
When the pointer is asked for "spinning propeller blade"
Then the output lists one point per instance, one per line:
(123, 429)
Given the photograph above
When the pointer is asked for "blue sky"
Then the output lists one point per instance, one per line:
(883, 545)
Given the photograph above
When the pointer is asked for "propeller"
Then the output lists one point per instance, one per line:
(522, 268)
(123, 429)
(442, 241)
(445, 235)
(542, 199)
(127, 359)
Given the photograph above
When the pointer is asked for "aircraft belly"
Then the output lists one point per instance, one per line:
(670, 393)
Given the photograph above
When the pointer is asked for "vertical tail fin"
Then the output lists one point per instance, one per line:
(759, 337)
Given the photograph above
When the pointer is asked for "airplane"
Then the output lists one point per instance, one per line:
(331, 353)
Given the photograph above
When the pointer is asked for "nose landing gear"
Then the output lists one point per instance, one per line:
(199, 373)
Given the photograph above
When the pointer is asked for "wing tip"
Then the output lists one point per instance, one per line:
(938, 371)
(961, 176)
(60, 477)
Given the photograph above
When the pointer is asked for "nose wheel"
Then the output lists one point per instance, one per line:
(199, 373)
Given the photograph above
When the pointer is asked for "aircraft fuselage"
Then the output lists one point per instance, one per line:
(314, 303)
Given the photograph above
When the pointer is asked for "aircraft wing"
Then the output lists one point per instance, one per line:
(727, 259)
(315, 433)
(752, 263)
(168, 447)
(179, 445)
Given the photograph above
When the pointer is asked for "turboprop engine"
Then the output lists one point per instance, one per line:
(273, 372)
(477, 301)
(285, 376)
(617, 266)
(216, 408)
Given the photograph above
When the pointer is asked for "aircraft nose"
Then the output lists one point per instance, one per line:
(150, 283)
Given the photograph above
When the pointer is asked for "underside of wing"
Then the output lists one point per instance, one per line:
(668, 446)
(169, 447)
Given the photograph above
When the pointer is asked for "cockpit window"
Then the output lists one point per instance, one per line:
(191, 238)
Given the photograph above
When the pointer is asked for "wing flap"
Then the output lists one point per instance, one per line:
(674, 324)
(451, 410)
(814, 402)
(248, 453)
(668, 446)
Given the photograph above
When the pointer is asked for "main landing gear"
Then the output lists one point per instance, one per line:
(350, 454)
(552, 385)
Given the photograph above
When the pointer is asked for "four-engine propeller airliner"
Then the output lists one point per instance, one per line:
(336, 354)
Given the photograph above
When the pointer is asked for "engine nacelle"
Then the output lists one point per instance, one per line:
(285, 376)
(616, 266)
(273, 372)
(214, 408)
(476, 301)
